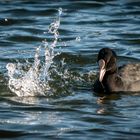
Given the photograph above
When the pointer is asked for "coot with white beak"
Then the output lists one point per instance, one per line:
(115, 79)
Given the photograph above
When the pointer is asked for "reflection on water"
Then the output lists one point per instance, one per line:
(106, 106)
(69, 109)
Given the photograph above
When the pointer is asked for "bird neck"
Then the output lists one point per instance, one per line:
(112, 71)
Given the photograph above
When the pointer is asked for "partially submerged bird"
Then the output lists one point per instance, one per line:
(113, 78)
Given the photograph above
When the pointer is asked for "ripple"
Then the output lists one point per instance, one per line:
(15, 21)
(88, 4)
(11, 134)
(30, 12)
(24, 38)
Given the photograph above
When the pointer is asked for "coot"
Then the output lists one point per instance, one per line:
(115, 79)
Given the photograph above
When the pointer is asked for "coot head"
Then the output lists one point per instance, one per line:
(107, 62)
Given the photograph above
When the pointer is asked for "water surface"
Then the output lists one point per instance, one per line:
(70, 110)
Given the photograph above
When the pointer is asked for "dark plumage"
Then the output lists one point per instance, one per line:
(114, 79)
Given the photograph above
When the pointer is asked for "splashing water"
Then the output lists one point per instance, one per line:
(32, 79)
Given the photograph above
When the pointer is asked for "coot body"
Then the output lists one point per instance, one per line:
(115, 79)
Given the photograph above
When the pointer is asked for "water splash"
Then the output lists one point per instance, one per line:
(78, 39)
(32, 79)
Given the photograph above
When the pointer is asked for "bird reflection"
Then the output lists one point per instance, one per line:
(106, 104)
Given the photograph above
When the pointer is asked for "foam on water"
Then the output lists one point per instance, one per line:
(32, 79)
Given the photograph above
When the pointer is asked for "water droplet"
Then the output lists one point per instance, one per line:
(64, 43)
(78, 38)
(60, 11)
(6, 19)
(45, 32)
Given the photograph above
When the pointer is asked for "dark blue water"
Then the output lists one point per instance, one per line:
(71, 110)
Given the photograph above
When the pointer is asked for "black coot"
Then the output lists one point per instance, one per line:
(115, 79)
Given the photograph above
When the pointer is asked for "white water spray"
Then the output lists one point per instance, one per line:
(33, 80)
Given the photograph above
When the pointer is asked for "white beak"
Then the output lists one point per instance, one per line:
(102, 69)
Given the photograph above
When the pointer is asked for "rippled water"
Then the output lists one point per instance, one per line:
(70, 109)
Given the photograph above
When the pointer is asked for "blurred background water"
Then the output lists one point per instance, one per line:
(70, 109)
